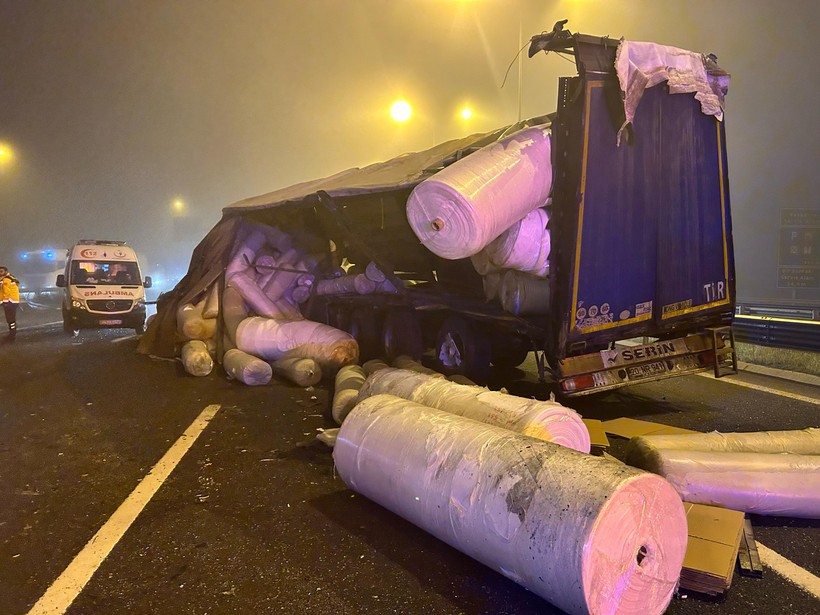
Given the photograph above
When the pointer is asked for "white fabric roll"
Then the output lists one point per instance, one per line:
(481, 263)
(245, 253)
(279, 339)
(346, 284)
(545, 420)
(459, 210)
(525, 246)
(587, 534)
(246, 285)
(760, 483)
(276, 285)
(523, 294)
(300, 294)
(246, 368)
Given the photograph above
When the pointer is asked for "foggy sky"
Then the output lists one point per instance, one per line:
(115, 109)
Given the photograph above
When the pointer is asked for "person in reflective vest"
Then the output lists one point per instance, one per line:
(10, 298)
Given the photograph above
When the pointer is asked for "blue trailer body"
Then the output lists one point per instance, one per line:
(652, 244)
(641, 223)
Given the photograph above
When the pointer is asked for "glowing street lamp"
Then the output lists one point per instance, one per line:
(178, 207)
(6, 155)
(401, 111)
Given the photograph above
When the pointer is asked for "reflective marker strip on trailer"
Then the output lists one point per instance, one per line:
(70, 583)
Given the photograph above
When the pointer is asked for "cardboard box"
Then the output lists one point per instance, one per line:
(714, 540)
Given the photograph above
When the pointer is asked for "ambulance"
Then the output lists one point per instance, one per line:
(103, 287)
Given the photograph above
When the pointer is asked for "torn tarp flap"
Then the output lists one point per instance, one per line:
(642, 65)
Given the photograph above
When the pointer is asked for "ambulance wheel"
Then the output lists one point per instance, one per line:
(68, 328)
(401, 335)
(462, 349)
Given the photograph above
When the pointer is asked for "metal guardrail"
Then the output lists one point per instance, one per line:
(778, 332)
(778, 309)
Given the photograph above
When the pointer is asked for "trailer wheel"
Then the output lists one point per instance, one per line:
(509, 351)
(461, 349)
(402, 335)
(365, 326)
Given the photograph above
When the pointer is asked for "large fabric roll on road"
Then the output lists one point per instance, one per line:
(462, 208)
(545, 420)
(587, 534)
(765, 472)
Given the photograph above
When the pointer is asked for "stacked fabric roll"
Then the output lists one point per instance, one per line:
(587, 534)
(767, 473)
(544, 420)
(462, 208)
(264, 331)
(524, 294)
(525, 246)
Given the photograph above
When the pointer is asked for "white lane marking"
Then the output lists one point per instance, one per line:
(791, 571)
(757, 387)
(70, 583)
(117, 340)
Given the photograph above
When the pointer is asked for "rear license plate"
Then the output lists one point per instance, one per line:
(110, 322)
(645, 371)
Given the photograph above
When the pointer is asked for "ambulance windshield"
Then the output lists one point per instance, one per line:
(104, 272)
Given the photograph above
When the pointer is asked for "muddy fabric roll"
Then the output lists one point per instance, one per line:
(587, 534)
(234, 311)
(272, 339)
(304, 372)
(246, 368)
(196, 359)
(462, 208)
(796, 441)
(349, 380)
(210, 308)
(192, 325)
(545, 420)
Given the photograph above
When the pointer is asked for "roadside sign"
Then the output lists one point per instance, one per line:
(799, 254)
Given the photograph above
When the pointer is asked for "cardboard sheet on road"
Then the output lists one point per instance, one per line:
(630, 428)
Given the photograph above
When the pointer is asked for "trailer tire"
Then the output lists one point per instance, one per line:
(509, 351)
(461, 349)
(402, 335)
(365, 326)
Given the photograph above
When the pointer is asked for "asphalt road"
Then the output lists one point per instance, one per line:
(253, 519)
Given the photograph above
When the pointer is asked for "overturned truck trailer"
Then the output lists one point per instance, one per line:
(605, 221)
